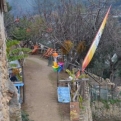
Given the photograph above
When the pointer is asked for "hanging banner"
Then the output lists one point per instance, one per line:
(95, 42)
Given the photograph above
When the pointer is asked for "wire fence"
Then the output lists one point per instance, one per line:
(98, 92)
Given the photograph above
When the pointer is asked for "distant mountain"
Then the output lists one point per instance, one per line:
(21, 7)
(118, 3)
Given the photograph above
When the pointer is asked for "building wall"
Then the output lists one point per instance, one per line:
(10, 109)
(102, 113)
(4, 98)
(85, 111)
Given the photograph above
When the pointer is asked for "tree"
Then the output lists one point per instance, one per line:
(26, 28)
(79, 23)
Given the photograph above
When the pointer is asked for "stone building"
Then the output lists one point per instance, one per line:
(9, 104)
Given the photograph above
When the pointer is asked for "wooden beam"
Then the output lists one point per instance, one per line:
(76, 93)
(80, 80)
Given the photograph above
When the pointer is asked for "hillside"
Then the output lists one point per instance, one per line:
(29, 5)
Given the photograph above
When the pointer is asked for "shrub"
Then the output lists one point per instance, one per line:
(25, 116)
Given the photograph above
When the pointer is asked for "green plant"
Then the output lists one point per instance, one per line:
(15, 52)
(25, 116)
(120, 93)
(71, 73)
(108, 102)
(83, 76)
(116, 101)
(80, 99)
(20, 33)
(12, 65)
(105, 103)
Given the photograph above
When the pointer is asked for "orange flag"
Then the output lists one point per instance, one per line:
(95, 42)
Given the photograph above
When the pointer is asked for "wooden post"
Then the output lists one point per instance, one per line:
(74, 111)
(76, 93)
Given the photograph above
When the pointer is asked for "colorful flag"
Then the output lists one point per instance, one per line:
(95, 42)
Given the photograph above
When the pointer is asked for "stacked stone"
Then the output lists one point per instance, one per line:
(85, 112)
(101, 113)
(14, 105)
(10, 109)
(4, 98)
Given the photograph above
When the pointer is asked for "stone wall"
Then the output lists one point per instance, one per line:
(103, 113)
(103, 110)
(4, 98)
(85, 111)
(14, 105)
(9, 103)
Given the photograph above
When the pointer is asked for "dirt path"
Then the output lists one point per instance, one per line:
(40, 95)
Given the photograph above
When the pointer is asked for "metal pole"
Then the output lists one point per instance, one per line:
(57, 78)
(24, 84)
(107, 90)
(99, 91)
